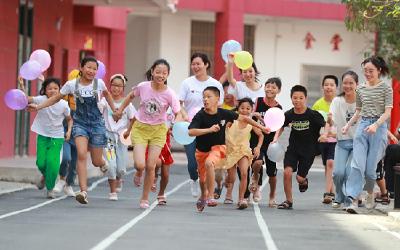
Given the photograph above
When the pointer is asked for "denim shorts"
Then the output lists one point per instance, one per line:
(96, 133)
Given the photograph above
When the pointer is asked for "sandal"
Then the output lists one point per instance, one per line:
(137, 180)
(242, 204)
(201, 204)
(383, 198)
(286, 205)
(253, 185)
(217, 192)
(303, 186)
(162, 200)
(228, 201)
(272, 203)
(327, 198)
(212, 203)
(144, 204)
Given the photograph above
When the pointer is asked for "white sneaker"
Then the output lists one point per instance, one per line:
(59, 186)
(51, 194)
(336, 205)
(69, 191)
(113, 196)
(194, 188)
(370, 202)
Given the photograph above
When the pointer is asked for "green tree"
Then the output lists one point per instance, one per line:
(383, 18)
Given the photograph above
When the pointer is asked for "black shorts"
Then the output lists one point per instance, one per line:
(379, 171)
(271, 169)
(299, 161)
(327, 150)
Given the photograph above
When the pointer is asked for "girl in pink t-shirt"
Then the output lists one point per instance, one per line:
(150, 126)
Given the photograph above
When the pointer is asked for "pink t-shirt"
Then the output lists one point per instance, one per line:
(153, 104)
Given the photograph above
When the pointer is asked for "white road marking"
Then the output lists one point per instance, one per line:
(269, 242)
(93, 186)
(122, 230)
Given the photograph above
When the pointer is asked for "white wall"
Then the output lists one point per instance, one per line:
(280, 50)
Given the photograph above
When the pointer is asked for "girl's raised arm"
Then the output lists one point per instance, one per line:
(229, 71)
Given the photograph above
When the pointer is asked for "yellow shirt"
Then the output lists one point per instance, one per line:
(321, 105)
(71, 101)
(227, 107)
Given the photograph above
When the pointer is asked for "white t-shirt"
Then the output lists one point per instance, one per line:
(49, 121)
(111, 125)
(84, 90)
(191, 92)
(241, 91)
(341, 114)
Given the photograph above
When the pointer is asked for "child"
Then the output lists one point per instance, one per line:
(208, 125)
(374, 102)
(149, 128)
(229, 99)
(69, 157)
(272, 88)
(327, 143)
(89, 129)
(303, 141)
(238, 151)
(48, 124)
(116, 153)
(341, 110)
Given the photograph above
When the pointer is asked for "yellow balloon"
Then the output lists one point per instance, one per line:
(73, 74)
(243, 60)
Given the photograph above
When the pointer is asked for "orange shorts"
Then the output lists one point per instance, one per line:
(216, 154)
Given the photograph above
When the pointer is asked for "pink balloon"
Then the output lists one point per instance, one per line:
(30, 70)
(101, 71)
(274, 119)
(42, 57)
(192, 113)
(16, 99)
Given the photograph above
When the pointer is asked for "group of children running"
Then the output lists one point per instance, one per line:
(228, 141)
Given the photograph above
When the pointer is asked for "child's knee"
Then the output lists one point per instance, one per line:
(288, 172)
(209, 165)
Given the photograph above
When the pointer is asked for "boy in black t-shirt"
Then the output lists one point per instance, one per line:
(208, 125)
(272, 88)
(303, 142)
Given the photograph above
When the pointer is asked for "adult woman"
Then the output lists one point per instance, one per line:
(191, 99)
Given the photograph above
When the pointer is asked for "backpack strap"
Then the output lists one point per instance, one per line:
(76, 92)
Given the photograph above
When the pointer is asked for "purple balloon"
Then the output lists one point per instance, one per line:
(42, 57)
(101, 71)
(16, 99)
(30, 70)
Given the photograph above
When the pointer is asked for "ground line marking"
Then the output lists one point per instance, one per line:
(122, 230)
(269, 242)
(93, 186)
(383, 228)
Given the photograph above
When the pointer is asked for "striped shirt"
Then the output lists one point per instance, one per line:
(372, 100)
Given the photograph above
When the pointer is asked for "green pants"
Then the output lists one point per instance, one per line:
(48, 158)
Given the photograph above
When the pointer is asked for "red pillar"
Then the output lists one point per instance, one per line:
(117, 52)
(395, 118)
(228, 25)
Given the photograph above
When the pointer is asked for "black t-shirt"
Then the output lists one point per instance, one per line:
(203, 120)
(305, 130)
(262, 107)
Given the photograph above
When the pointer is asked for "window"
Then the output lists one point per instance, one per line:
(203, 39)
(248, 45)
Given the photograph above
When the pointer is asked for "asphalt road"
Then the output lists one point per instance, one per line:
(30, 221)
